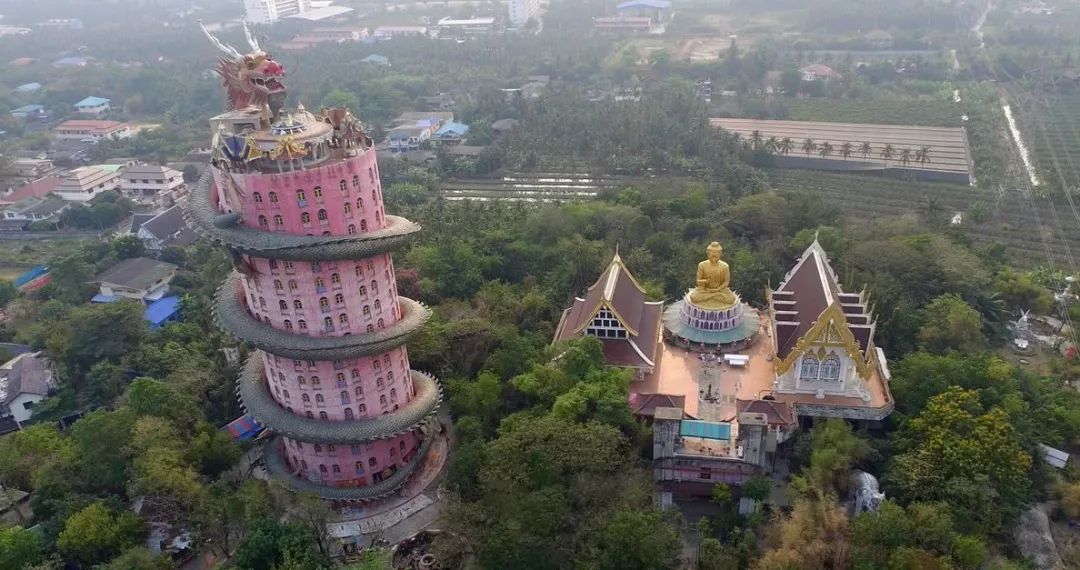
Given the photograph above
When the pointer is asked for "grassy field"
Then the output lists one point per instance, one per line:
(16, 256)
(1051, 129)
(1010, 219)
(879, 111)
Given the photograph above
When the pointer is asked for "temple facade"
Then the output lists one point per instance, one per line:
(732, 382)
(296, 198)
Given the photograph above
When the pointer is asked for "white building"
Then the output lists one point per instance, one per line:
(85, 183)
(270, 11)
(521, 11)
(149, 183)
(24, 381)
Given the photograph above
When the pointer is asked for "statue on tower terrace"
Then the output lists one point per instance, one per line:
(713, 291)
(250, 79)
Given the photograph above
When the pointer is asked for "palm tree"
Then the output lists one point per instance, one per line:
(826, 149)
(887, 152)
(922, 156)
(756, 140)
(808, 146)
(845, 149)
(866, 150)
(905, 156)
(785, 145)
(771, 144)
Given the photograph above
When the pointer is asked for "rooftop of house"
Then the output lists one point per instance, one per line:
(27, 87)
(28, 109)
(77, 61)
(819, 69)
(150, 170)
(37, 189)
(27, 373)
(90, 125)
(137, 221)
(460, 129)
(86, 176)
(414, 116)
(647, 404)
(406, 131)
(136, 273)
(44, 207)
(170, 228)
(655, 4)
(618, 292)
(92, 102)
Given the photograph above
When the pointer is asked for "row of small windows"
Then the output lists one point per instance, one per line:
(305, 218)
(814, 369)
(320, 400)
(320, 284)
(318, 192)
(355, 448)
(340, 377)
(338, 364)
(316, 267)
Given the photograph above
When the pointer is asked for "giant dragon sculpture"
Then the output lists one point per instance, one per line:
(250, 79)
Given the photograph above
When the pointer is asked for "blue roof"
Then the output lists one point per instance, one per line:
(658, 4)
(101, 298)
(27, 87)
(70, 61)
(27, 109)
(31, 275)
(162, 310)
(92, 102)
(453, 128)
(707, 430)
(244, 427)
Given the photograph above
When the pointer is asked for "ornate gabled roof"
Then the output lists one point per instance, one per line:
(809, 305)
(619, 292)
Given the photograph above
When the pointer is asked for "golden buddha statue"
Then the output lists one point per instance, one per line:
(713, 277)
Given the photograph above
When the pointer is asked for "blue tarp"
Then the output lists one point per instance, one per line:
(31, 275)
(707, 430)
(162, 310)
(244, 427)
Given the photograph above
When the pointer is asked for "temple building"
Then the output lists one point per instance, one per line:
(296, 198)
(731, 383)
(616, 311)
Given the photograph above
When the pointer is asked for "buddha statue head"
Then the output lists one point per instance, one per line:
(715, 251)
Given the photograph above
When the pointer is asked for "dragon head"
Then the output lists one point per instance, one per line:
(250, 79)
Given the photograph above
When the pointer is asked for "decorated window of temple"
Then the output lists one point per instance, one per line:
(344, 397)
(362, 408)
(363, 291)
(306, 399)
(283, 305)
(301, 197)
(277, 284)
(808, 370)
(363, 225)
(323, 216)
(371, 266)
(273, 265)
(830, 368)
(359, 391)
(390, 377)
(343, 186)
(386, 360)
(292, 285)
(273, 197)
(378, 306)
(316, 382)
(317, 192)
(366, 310)
(335, 279)
(374, 287)
(351, 229)
(298, 364)
(360, 204)
(278, 220)
(316, 266)
(324, 304)
(348, 208)
(381, 323)
(375, 364)
(340, 380)
(379, 383)
(298, 305)
(356, 181)
(288, 266)
(320, 285)
(319, 400)
(382, 400)
(288, 325)
(301, 381)
(323, 415)
(393, 395)
(263, 222)
(328, 324)
(343, 318)
(339, 299)
(354, 373)
(257, 197)
(305, 218)
(301, 324)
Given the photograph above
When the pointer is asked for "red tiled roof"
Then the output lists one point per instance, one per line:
(89, 124)
(810, 288)
(617, 290)
(646, 404)
(37, 189)
(776, 413)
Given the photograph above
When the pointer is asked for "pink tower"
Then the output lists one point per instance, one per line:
(296, 198)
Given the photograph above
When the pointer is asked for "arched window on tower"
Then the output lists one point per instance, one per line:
(323, 416)
(317, 192)
(273, 197)
(378, 217)
(360, 204)
(808, 370)
(257, 197)
(319, 400)
(288, 325)
(324, 303)
(335, 279)
(351, 229)
(378, 306)
(830, 368)
(298, 305)
(363, 291)
(283, 305)
(344, 398)
(393, 395)
(278, 220)
(306, 398)
(348, 208)
(348, 413)
(343, 318)
(262, 303)
(371, 175)
(374, 287)
(292, 285)
(339, 299)
(356, 181)
(305, 218)
(381, 323)
(366, 310)
(262, 222)
(277, 284)
(371, 328)
(382, 400)
(323, 216)
(343, 186)
(363, 225)
(301, 197)
(374, 196)
(328, 324)
(301, 324)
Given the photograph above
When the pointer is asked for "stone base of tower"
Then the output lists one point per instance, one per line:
(700, 330)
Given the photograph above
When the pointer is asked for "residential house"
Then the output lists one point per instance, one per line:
(32, 87)
(91, 130)
(389, 32)
(25, 381)
(376, 59)
(469, 27)
(29, 112)
(166, 229)
(408, 137)
(87, 182)
(150, 183)
(33, 167)
(621, 24)
(96, 106)
(655, 10)
(818, 72)
(36, 189)
(139, 278)
(34, 209)
(451, 133)
(437, 117)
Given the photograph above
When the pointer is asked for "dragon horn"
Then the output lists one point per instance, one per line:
(223, 47)
(250, 38)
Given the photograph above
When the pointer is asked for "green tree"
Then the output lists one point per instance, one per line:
(138, 558)
(1020, 291)
(341, 98)
(638, 539)
(834, 449)
(96, 333)
(128, 246)
(757, 488)
(100, 439)
(30, 451)
(951, 324)
(20, 548)
(721, 494)
(96, 534)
